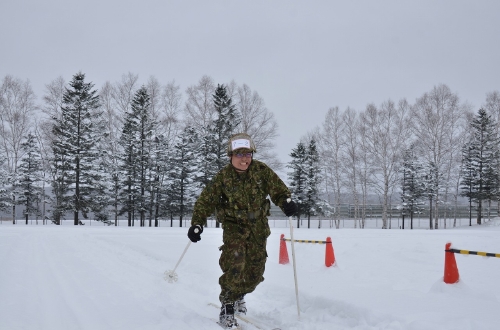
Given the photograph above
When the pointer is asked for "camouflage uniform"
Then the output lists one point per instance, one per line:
(240, 203)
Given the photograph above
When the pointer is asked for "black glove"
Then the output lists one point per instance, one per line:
(194, 233)
(290, 208)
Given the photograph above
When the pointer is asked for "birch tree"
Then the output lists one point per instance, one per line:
(386, 130)
(112, 118)
(350, 158)
(258, 122)
(365, 170)
(436, 118)
(17, 107)
(171, 107)
(331, 146)
(199, 109)
(124, 91)
(492, 107)
(199, 113)
(52, 108)
(53, 98)
(155, 91)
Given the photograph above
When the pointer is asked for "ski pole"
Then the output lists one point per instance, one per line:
(171, 275)
(294, 268)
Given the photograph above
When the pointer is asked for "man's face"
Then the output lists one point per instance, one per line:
(241, 159)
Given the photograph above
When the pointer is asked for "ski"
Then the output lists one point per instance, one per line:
(247, 320)
(238, 327)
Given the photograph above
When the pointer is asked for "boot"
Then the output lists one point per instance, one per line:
(226, 316)
(240, 306)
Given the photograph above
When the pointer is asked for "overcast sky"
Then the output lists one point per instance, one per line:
(302, 57)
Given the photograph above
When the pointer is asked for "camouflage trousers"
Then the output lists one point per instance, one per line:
(242, 261)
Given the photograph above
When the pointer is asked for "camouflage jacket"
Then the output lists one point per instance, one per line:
(240, 197)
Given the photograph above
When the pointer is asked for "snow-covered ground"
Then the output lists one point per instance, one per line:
(99, 277)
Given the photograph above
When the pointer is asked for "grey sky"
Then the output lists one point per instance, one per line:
(302, 57)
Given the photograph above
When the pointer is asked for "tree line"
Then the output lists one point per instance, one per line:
(425, 154)
(123, 150)
(145, 151)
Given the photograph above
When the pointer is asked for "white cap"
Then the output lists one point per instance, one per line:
(240, 143)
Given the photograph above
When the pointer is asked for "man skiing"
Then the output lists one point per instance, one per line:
(238, 196)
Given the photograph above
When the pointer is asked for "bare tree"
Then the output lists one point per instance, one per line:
(456, 137)
(155, 93)
(17, 107)
(365, 170)
(386, 133)
(111, 113)
(199, 109)
(256, 119)
(53, 97)
(259, 123)
(171, 106)
(45, 156)
(123, 93)
(350, 159)
(52, 103)
(331, 145)
(112, 116)
(492, 107)
(436, 120)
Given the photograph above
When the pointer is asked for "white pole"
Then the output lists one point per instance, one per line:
(182, 256)
(294, 268)
(171, 275)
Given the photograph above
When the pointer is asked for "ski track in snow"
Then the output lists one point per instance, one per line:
(112, 278)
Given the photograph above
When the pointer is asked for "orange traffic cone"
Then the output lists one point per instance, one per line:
(450, 266)
(283, 252)
(329, 255)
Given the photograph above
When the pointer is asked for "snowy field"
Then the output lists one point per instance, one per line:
(99, 277)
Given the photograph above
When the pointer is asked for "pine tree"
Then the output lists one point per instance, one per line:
(110, 161)
(217, 134)
(412, 186)
(159, 149)
(162, 180)
(298, 178)
(311, 201)
(75, 150)
(145, 127)
(215, 137)
(60, 168)
(13, 192)
(480, 180)
(432, 181)
(468, 175)
(182, 189)
(138, 142)
(4, 195)
(224, 125)
(102, 191)
(128, 169)
(29, 178)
